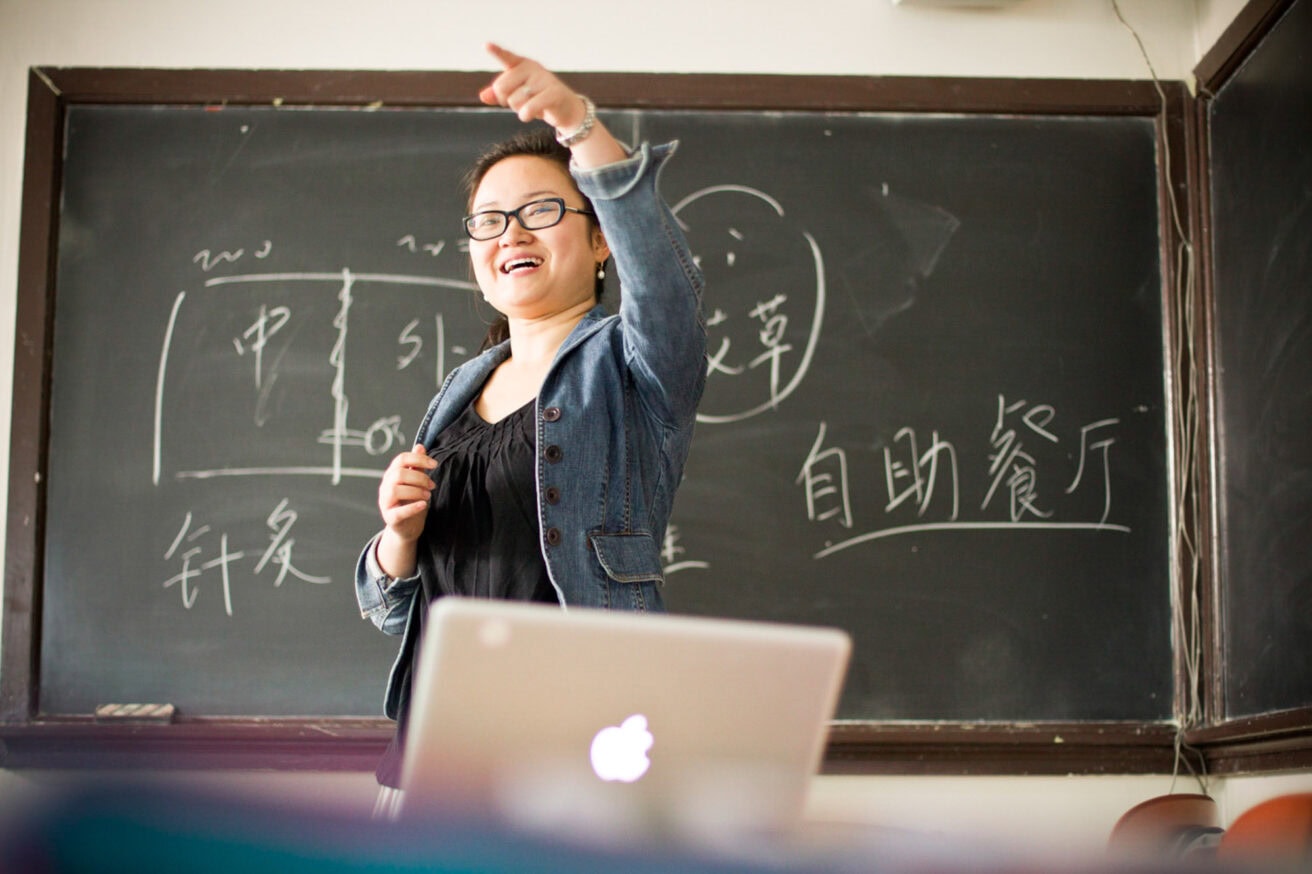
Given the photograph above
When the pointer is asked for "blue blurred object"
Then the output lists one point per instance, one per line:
(146, 829)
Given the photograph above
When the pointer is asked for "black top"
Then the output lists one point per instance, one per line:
(481, 537)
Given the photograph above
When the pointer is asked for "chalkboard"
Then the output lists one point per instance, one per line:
(936, 413)
(1260, 125)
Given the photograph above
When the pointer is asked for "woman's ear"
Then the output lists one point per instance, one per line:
(600, 249)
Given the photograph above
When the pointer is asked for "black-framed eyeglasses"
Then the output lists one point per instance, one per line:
(533, 216)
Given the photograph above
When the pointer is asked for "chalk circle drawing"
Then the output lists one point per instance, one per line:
(766, 298)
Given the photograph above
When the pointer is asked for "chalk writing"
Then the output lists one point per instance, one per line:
(1012, 464)
(189, 548)
(337, 360)
(378, 436)
(412, 342)
(279, 551)
(919, 471)
(927, 477)
(736, 230)
(186, 578)
(411, 244)
(671, 550)
(766, 310)
(1103, 447)
(253, 340)
(208, 259)
(826, 488)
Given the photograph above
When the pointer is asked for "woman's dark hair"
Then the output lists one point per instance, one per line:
(537, 143)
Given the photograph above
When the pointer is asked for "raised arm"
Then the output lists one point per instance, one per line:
(661, 285)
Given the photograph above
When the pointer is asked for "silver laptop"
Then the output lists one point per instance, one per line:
(617, 723)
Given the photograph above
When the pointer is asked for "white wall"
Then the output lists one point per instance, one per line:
(1029, 38)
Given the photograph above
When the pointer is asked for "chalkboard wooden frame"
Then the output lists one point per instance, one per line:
(31, 740)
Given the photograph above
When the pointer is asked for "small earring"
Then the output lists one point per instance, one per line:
(601, 271)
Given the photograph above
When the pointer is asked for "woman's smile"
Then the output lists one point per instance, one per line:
(521, 265)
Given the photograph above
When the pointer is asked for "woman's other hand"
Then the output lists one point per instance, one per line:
(404, 493)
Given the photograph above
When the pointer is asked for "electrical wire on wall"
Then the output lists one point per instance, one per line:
(1188, 626)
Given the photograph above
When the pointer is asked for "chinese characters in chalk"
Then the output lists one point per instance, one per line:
(204, 557)
(923, 483)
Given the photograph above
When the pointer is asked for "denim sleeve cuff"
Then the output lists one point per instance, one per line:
(612, 181)
(382, 580)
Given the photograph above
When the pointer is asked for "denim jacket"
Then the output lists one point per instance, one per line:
(614, 415)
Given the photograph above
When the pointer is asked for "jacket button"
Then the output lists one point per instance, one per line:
(553, 536)
(552, 495)
(553, 453)
(551, 414)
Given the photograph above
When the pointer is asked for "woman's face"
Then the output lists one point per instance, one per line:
(535, 274)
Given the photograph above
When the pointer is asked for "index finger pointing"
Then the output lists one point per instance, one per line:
(507, 58)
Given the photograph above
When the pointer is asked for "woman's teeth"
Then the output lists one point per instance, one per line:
(521, 264)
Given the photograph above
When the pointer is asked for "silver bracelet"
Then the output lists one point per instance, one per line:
(580, 133)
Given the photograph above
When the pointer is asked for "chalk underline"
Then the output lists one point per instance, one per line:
(970, 526)
(279, 471)
(390, 278)
(685, 565)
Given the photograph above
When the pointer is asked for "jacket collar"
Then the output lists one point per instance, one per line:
(590, 322)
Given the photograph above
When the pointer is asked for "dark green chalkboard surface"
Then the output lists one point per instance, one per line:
(935, 413)
(1260, 123)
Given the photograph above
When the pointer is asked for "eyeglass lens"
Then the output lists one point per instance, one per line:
(534, 216)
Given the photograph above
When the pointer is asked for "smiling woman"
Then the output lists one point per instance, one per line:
(545, 468)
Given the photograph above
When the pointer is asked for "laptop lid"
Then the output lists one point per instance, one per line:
(633, 722)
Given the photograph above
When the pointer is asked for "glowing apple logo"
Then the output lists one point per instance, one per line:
(619, 752)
